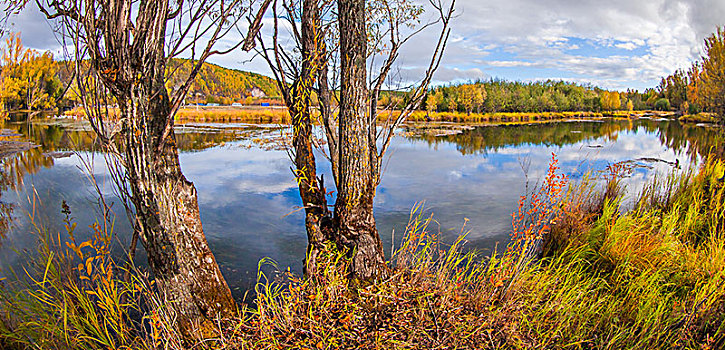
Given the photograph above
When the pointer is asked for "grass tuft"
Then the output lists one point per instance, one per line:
(598, 278)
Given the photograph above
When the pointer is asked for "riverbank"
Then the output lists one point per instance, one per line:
(421, 116)
(652, 277)
(706, 118)
(280, 115)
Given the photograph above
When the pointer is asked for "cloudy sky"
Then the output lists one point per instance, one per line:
(616, 44)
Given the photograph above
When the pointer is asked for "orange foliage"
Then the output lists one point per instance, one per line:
(531, 223)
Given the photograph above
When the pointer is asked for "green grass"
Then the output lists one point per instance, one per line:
(649, 278)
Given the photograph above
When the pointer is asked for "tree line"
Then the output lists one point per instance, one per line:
(701, 88)
(496, 95)
(35, 81)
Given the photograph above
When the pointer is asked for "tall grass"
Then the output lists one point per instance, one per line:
(72, 295)
(600, 278)
(651, 278)
(233, 114)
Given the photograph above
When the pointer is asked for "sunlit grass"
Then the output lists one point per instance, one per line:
(280, 115)
(233, 114)
(649, 278)
(700, 118)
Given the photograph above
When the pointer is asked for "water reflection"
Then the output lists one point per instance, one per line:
(18, 158)
(76, 135)
(695, 140)
(248, 197)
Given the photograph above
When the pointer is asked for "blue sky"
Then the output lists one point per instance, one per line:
(616, 44)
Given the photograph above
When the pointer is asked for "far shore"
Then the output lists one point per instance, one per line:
(280, 115)
(276, 114)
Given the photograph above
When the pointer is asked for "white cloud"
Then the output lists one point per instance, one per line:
(538, 34)
(663, 35)
(627, 46)
(510, 63)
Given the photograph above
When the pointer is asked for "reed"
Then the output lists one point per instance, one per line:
(233, 114)
(579, 273)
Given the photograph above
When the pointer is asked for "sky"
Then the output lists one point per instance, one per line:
(616, 44)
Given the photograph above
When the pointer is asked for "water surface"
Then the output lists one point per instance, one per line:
(248, 197)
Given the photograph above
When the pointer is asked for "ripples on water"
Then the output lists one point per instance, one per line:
(248, 196)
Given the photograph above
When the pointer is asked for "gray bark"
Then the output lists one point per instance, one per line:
(357, 159)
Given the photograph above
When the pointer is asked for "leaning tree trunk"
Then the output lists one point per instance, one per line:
(357, 174)
(312, 191)
(184, 268)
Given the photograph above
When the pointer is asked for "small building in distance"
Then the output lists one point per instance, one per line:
(255, 92)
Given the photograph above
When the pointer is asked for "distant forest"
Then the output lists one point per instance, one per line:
(497, 95)
(216, 84)
(35, 81)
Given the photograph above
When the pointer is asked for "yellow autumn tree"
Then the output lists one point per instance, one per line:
(453, 103)
(432, 101)
(480, 97)
(610, 100)
(710, 84)
(470, 97)
(28, 78)
(693, 88)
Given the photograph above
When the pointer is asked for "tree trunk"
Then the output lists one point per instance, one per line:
(357, 174)
(312, 192)
(325, 102)
(125, 44)
(184, 267)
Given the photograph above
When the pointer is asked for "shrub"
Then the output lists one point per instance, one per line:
(662, 104)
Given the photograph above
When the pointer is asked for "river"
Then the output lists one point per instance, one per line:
(248, 197)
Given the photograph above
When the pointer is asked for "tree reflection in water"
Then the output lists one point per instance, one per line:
(18, 157)
(697, 141)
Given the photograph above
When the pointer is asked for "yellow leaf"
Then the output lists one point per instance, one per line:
(89, 267)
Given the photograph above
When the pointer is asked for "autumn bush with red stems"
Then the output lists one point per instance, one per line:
(579, 272)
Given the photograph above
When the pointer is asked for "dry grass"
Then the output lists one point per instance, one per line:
(700, 118)
(277, 115)
(280, 115)
(650, 278)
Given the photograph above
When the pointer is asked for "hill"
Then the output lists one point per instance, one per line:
(213, 84)
(216, 84)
